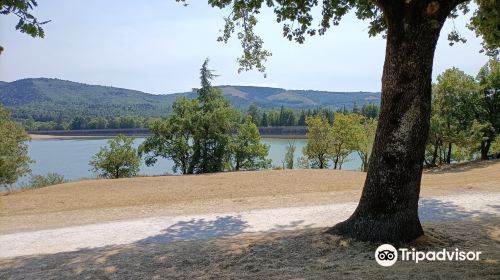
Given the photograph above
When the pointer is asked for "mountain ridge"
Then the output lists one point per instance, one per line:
(62, 97)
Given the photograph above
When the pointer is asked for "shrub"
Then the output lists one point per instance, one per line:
(40, 181)
(116, 160)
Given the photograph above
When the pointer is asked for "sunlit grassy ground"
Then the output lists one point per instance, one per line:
(93, 201)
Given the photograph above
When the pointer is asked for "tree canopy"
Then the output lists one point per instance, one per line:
(465, 112)
(118, 159)
(27, 21)
(312, 17)
(247, 151)
(198, 135)
(14, 159)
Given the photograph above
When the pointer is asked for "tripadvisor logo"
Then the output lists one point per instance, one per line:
(387, 255)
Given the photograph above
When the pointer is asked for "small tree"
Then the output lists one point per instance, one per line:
(345, 137)
(14, 159)
(290, 152)
(118, 159)
(456, 101)
(247, 151)
(319, 145)
(365, 141)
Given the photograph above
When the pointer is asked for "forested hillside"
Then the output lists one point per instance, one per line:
(54, 100)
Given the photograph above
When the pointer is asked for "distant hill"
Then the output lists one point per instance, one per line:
(266, 97)
(41, 97)
(54, 97)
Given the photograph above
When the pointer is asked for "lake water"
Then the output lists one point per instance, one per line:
(71, 157)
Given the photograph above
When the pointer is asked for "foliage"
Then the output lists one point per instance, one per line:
(27, 22)
(319, 141)
(14, 159)
(488, 79)
(456, 101)
(345, 137)
(247, 151)
(486, 23)
(495, 148)
(253, 112)
(290, 153)
(40, 181)
(335, 142)
(465, 113)
(197, 136)
(303, 162)
(118, 159)
(172, 138)
(298, 19)
(364, 141)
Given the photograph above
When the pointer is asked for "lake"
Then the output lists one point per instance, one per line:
(70, 157)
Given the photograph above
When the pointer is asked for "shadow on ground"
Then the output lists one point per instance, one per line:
(189, 249)
(442, 211)
(199, 229)
(306, 253)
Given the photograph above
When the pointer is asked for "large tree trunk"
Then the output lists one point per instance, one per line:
(388, 208)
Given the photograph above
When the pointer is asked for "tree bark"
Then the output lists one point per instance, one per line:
(388, 208)
(434, 155)
(448, 155)
(485, 148)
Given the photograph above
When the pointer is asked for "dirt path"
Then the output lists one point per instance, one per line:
(97, 201)
(166, 229)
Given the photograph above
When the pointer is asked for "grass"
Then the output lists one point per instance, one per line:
(300, 254)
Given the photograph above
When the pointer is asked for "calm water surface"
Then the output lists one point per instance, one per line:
(71, 157)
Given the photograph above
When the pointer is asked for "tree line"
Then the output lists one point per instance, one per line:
(290, 117)
(260, 117)
(465, 118)
(89, 122)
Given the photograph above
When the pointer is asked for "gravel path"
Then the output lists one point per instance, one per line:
(166, 229)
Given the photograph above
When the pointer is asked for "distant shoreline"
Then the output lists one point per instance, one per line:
(276, 132)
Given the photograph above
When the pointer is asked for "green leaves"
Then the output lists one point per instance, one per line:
(312, 17)
(319, 144)
(197, 136)
(486, 23)
(14, 159)
(465, 114)
(246, 150)
(27, 22)
(348, 133)
(118, 159)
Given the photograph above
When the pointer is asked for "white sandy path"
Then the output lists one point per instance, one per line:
(166, 229)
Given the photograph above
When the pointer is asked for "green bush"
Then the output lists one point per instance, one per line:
(40, 181)
(118, 159)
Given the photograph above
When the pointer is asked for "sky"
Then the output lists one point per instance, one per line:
(158, 46)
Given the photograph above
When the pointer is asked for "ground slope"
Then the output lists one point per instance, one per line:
(105, 200)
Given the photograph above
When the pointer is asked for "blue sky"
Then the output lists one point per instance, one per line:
(157, 46)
